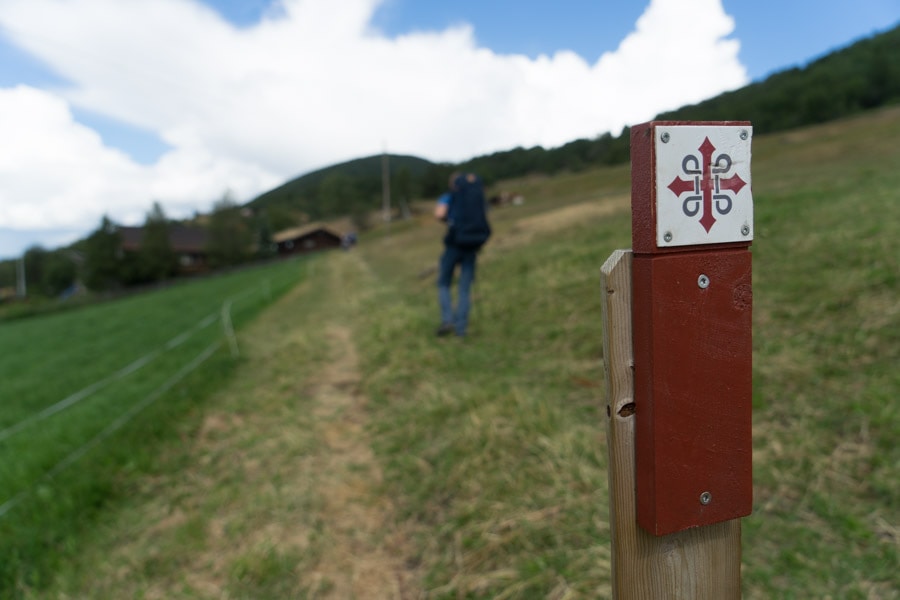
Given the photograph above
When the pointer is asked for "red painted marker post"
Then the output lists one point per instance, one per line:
(685, 413)
(691, 232)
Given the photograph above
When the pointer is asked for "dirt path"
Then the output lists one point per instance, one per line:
(277, 493)
(363, 558)
(364, 550)
(350, 543)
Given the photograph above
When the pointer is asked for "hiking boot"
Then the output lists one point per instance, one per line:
(445, 329)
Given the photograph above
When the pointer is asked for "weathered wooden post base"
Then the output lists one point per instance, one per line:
(702, 563)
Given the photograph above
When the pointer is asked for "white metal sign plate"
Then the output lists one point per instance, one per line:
(703, 185)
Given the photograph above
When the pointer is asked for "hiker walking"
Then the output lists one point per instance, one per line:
(463, 209)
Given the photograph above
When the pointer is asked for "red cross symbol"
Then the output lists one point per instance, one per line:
(707, 184)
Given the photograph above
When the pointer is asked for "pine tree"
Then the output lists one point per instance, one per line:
(158, 259)
(230, 239)
(103, 252)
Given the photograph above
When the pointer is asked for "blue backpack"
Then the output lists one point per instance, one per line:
(469, 228)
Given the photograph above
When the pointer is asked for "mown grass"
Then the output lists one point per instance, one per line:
(89, 393)
(495, 445)
(827, 347)
(491, 450)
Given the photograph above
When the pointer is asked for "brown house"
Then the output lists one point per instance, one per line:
(188, 243)
(310, 238)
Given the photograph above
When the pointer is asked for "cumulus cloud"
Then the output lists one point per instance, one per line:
(312, 84)
(54, 162)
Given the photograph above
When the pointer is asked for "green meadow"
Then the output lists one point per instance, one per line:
(88, 394)
(349, 453)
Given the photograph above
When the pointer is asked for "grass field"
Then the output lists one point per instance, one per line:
(88, 393)
(350, 453)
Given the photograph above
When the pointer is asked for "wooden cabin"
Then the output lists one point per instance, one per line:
(309, 238)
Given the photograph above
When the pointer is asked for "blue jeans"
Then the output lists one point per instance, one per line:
(452, 256)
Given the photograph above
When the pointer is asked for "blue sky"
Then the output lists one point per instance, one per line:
(774, 34)
(108, 106)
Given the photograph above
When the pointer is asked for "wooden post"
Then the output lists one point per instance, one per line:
(21, 285)
(701, 563)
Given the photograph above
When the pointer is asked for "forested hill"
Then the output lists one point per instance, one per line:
(343, 188)
(862, 76)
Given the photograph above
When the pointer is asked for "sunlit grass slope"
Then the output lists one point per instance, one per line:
(495, 446)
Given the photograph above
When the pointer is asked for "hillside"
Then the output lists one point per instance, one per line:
(340, 189)
(857, 78)
(860, 77)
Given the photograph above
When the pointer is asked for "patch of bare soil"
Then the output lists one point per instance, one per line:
(363, 555)
(561, 219)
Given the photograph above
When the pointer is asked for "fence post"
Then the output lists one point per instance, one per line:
(677, 344)
(228, 328)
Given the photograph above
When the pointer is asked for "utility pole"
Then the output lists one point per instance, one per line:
(21, 286)
(385, 187)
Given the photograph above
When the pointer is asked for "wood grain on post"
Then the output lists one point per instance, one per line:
(702, 563)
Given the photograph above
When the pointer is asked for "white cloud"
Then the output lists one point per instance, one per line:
(310, 85)
(51, 168)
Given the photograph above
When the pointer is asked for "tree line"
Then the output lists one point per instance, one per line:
(352, 189)
(103, 262)
(861, 77)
